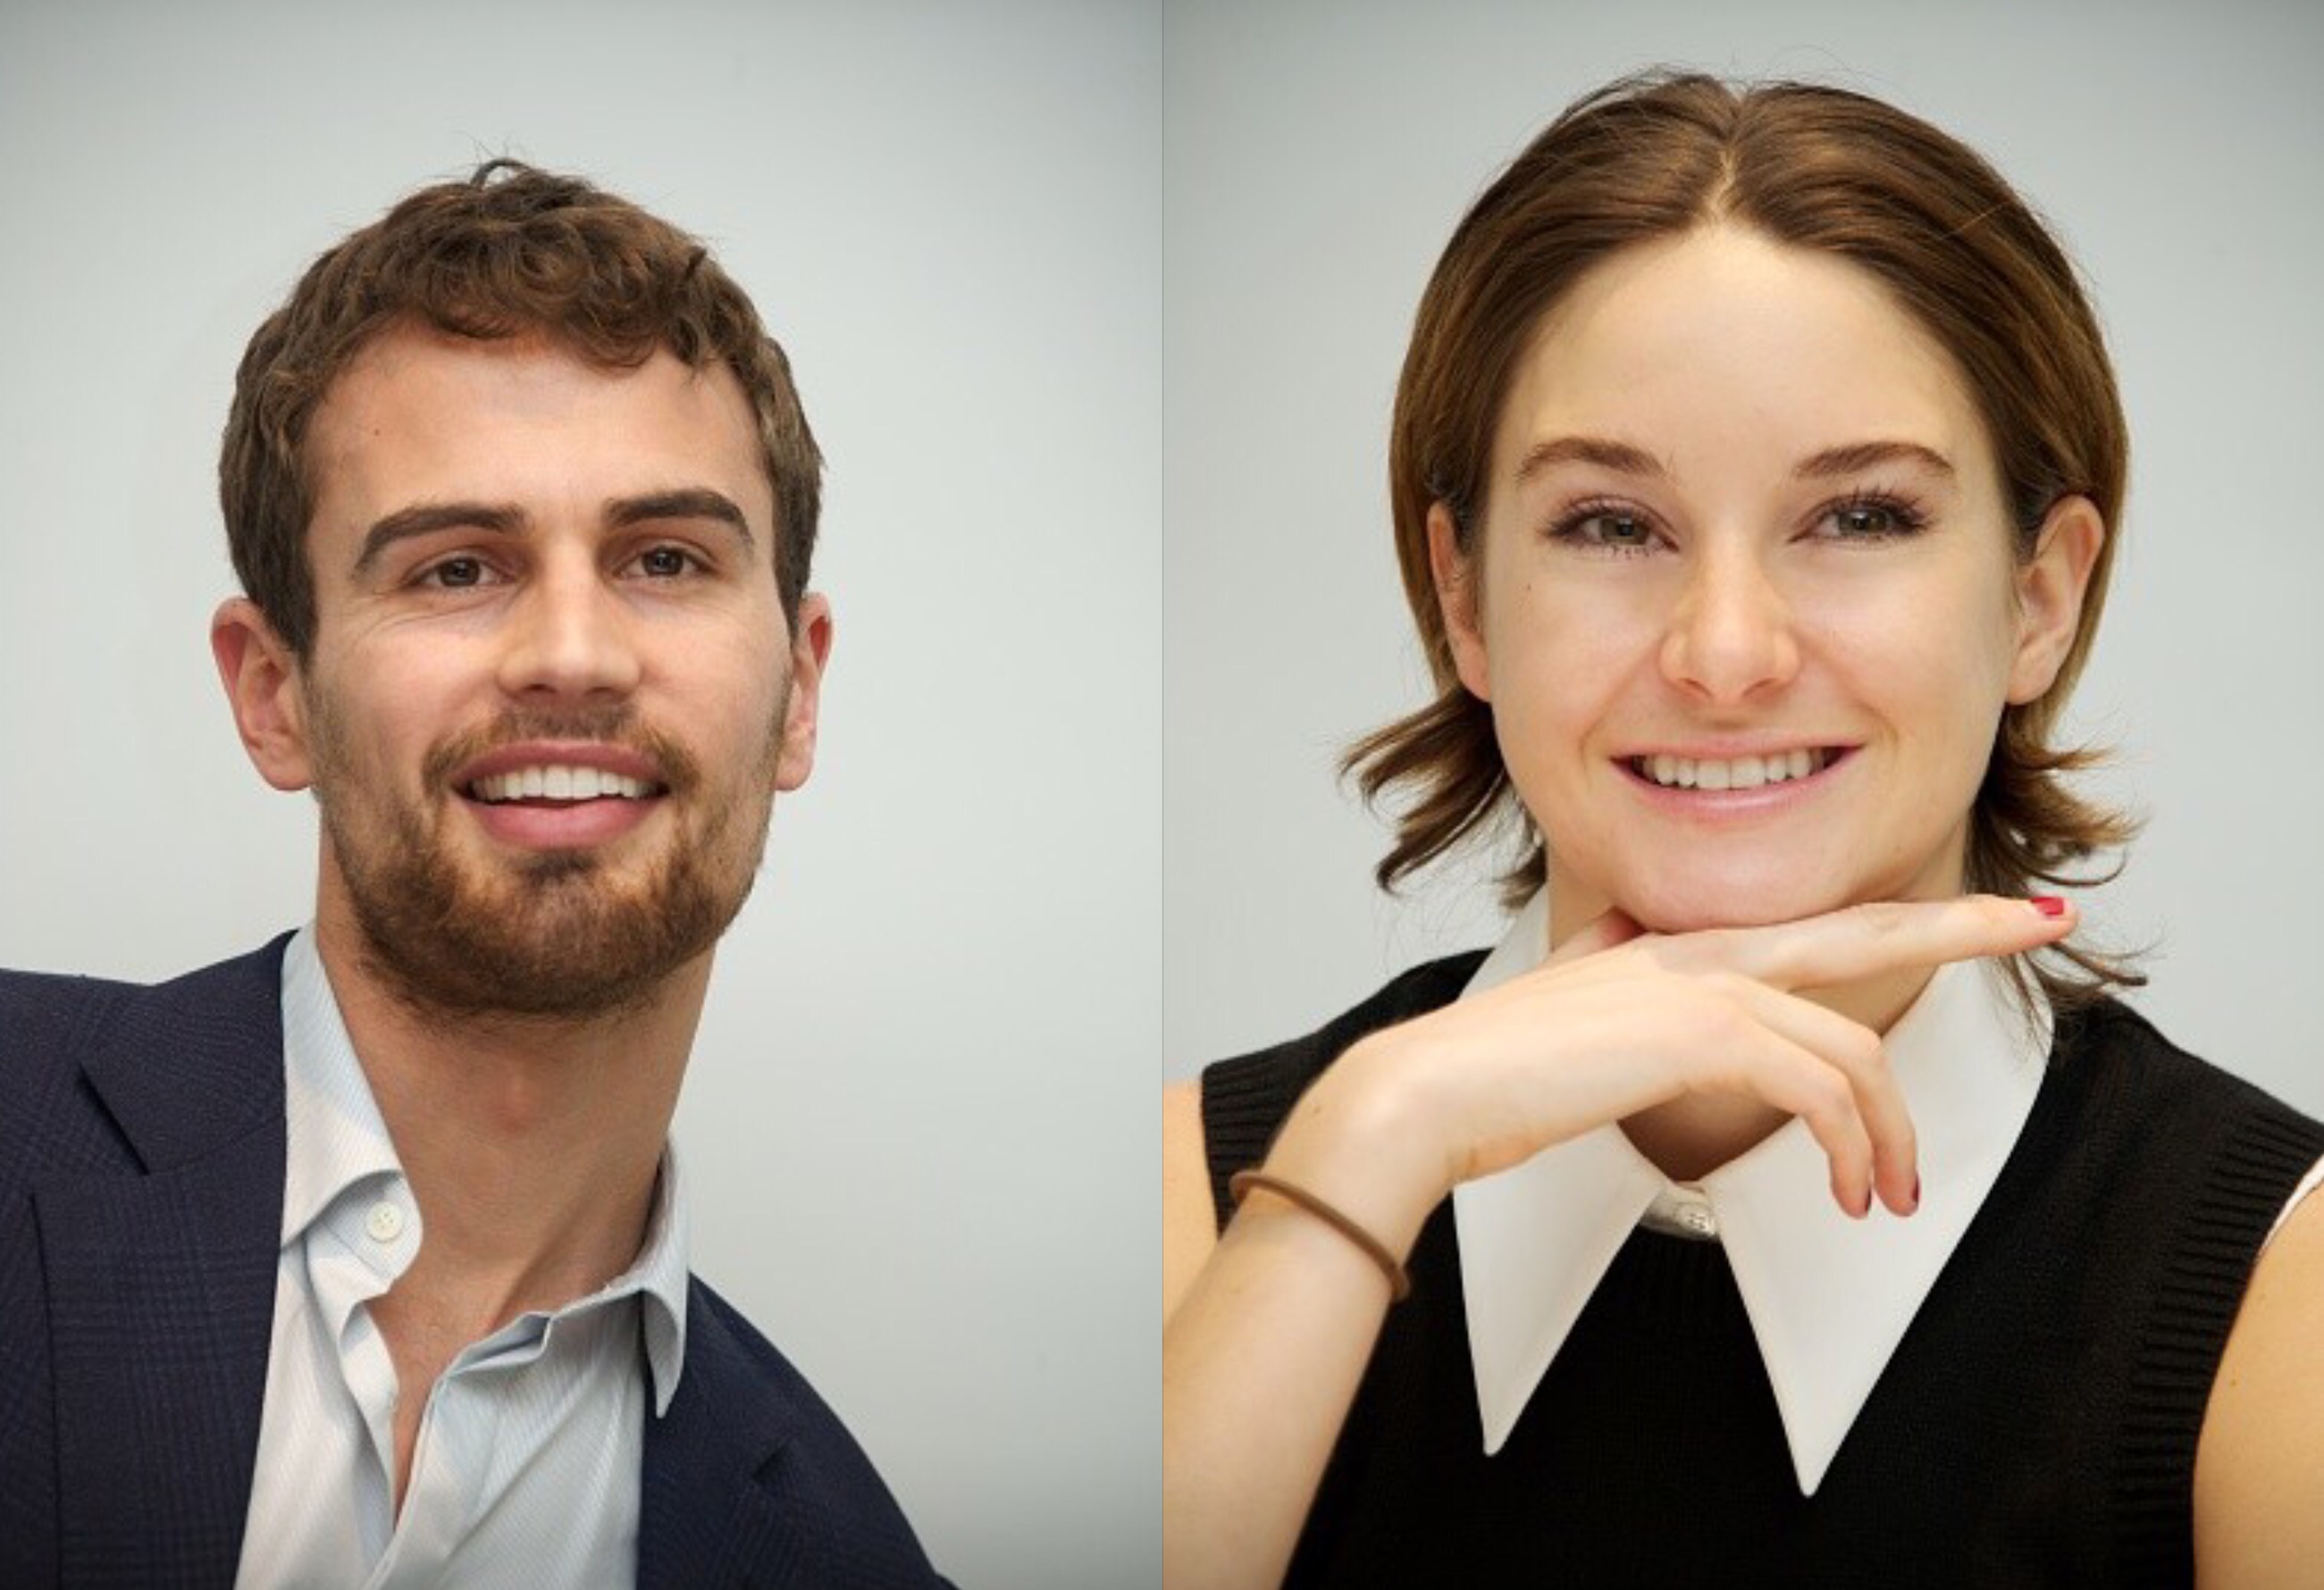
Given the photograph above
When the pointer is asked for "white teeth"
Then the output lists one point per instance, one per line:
(559, 782)
(1674, 772)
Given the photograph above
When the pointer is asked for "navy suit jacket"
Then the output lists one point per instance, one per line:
(140, 1212)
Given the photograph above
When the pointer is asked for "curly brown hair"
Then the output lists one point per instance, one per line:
(511, 251)
(1661, 154)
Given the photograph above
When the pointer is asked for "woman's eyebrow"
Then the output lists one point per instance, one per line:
(1623, 458)
(1857, 456)
(1618, 457)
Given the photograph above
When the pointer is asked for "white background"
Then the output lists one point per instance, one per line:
(931, 1037)
(1317, 156)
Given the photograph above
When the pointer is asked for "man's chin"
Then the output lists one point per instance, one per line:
(556, 937)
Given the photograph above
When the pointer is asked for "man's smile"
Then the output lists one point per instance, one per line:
(544, 796)
(559, 782)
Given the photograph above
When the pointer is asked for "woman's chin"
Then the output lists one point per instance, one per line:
(1686, 910)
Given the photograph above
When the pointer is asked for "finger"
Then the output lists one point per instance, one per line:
(1886, 937)
(1856, 1051)
(1602, 933)
(1802, 1083)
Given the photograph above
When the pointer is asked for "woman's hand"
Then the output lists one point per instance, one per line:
(1619, 1021)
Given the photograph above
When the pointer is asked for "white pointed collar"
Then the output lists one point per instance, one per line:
(1829, 1298)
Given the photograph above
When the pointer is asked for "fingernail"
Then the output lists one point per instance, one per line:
(2048, 904)
(1914, 1206)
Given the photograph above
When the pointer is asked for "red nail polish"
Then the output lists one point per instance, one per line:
(2048, 904)
(1914, 1206)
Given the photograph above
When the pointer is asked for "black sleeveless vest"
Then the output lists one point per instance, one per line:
(2036, 1427)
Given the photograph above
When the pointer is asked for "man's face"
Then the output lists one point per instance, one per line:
(551, 695)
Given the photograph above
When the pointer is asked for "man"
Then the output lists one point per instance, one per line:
(361, 1259)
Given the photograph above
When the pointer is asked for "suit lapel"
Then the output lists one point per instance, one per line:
(704, 1518)
(162, 1286)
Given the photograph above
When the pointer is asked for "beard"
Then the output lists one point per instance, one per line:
(556, 935)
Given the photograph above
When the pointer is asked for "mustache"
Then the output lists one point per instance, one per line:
(616, 725)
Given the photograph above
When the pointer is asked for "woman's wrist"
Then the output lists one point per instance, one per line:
(1361, 1139)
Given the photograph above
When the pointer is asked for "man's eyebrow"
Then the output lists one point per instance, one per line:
(686, 502)
(1618, 457)
(424, 518)
(1857, 456)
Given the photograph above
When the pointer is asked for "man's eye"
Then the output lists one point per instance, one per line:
(457, 572)
(665, 563)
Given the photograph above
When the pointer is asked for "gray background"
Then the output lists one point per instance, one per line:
(1317, 156)
(932, 1034)
(910, 1119)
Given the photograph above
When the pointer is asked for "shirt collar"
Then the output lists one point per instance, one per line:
(336, 1147)
(1829, 1298)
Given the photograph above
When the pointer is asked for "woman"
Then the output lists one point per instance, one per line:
(1754, 468)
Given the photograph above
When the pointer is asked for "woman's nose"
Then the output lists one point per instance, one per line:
(1731, 635)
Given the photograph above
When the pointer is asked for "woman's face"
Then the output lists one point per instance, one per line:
(1745, 603)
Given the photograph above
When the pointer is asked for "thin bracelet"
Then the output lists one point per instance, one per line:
(1242, 1181)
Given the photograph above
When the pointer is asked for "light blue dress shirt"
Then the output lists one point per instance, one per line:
(526, 1470)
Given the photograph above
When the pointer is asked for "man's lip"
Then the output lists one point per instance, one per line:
(620, 760)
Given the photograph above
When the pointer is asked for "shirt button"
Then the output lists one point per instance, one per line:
(385, 1222)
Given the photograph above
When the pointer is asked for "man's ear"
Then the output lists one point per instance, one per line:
(810, 654)
(2050, 590)
(261, 686)
(1454, 573)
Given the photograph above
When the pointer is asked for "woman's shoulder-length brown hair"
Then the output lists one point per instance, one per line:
(1818, 168)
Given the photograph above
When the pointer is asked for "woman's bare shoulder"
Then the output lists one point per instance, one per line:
(1189, 1219)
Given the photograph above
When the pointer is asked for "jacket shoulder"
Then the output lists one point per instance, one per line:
(813, 1501)
(79, 1062)
(48, 1024)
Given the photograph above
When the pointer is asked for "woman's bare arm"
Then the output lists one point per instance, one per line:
(2259, 1469)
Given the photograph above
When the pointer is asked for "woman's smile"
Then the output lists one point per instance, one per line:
(1713, 785)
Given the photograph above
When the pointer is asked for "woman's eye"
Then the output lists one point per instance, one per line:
(1615, 532)
(1872, 521)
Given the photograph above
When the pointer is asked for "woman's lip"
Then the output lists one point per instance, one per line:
(1752, 799)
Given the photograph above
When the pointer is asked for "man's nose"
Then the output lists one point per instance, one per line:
(1732, 636)
(571, 635)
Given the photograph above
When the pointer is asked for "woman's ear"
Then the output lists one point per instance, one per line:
(261, 685)
(1458, 601)
(2051, 589)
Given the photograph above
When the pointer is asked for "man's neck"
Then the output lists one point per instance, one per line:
(530, 1146)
